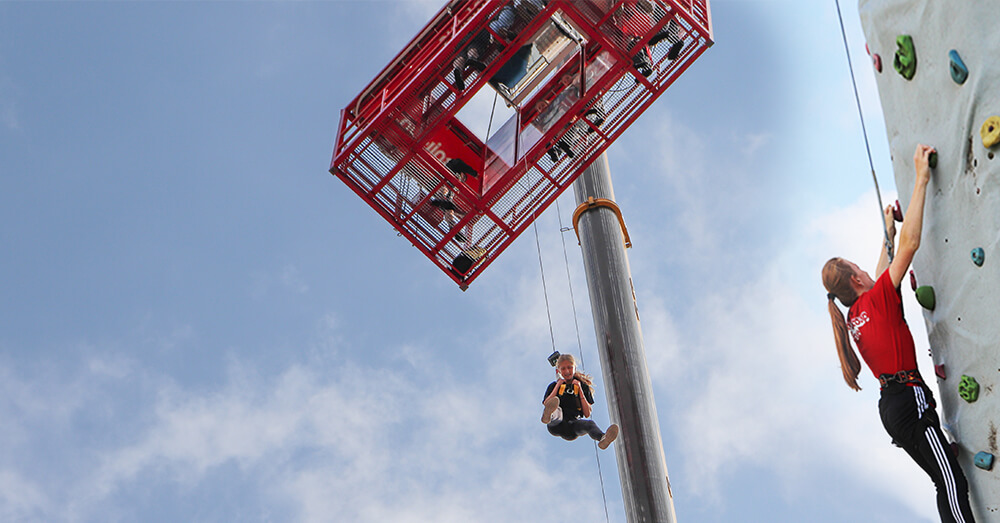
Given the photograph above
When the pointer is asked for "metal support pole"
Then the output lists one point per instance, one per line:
(639, 449)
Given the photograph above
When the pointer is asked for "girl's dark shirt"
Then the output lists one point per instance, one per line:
(568, 399)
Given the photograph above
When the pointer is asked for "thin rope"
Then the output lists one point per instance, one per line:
(569, 283)
(545, 292)
(579, 343)
(857, 99)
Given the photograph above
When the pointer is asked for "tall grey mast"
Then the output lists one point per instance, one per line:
(639, 449)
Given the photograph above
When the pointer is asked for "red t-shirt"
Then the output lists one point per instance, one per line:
(879, 330)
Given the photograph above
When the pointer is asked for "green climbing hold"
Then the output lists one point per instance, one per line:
(990, 131)
(925, 297)
(968, 388)
(984, 460)
(932, 160)
(959, 72)
(905, 61)
(978, 256)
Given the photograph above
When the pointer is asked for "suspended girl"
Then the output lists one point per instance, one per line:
(568, 403)
(875, 322)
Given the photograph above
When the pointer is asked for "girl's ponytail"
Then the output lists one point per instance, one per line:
(837, 280)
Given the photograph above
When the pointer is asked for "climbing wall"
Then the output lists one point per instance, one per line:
(943, 90)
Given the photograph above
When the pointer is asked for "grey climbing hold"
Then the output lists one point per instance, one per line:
(978, 256)
(984, 460)
(925, 297)
(905, 60)
(959, 72)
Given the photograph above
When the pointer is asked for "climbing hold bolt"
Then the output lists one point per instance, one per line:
(932, 160)
(968, 388)
(990, 132)
(905, 60)
(925, 297)
(978, 256)
(959, 72)
(939, 371)
(984, 460)
(897, 212)
(913, 280)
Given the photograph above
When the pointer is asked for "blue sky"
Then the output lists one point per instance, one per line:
(198, 323)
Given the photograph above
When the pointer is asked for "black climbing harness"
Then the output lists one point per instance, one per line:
(902, 377)
(857, 99)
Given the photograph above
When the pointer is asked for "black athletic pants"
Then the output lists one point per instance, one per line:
(570, 429)
(909, 417)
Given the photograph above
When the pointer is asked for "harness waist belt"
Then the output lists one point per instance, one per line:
(902, 377)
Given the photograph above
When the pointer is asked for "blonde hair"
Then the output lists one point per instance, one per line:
(837, 280)
(585, 378)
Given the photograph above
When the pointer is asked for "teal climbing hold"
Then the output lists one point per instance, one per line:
(968, 388)
(905, 60)
(959, 72)
(978, 256)
(984, 460)
(932, 160)
(925, 297)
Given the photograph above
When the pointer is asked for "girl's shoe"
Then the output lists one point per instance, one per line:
(609, 436)
(551, 406)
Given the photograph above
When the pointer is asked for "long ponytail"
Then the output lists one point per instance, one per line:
(837, 280)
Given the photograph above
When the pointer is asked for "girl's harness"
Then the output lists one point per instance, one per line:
(902, 377)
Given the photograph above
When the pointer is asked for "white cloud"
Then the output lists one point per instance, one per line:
(292, 280)
(754, 141)
(402, 445)
(21, 499)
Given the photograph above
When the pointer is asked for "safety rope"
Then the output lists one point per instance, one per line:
(545, 292)
(857, 99)
(579, 344)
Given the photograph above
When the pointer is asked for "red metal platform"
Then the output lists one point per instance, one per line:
(426, 148)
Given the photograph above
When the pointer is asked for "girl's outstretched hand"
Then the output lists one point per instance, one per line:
(921, 163)
(890, 222)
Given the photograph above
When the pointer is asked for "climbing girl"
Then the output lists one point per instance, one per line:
(875, 321)
(568, 402)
